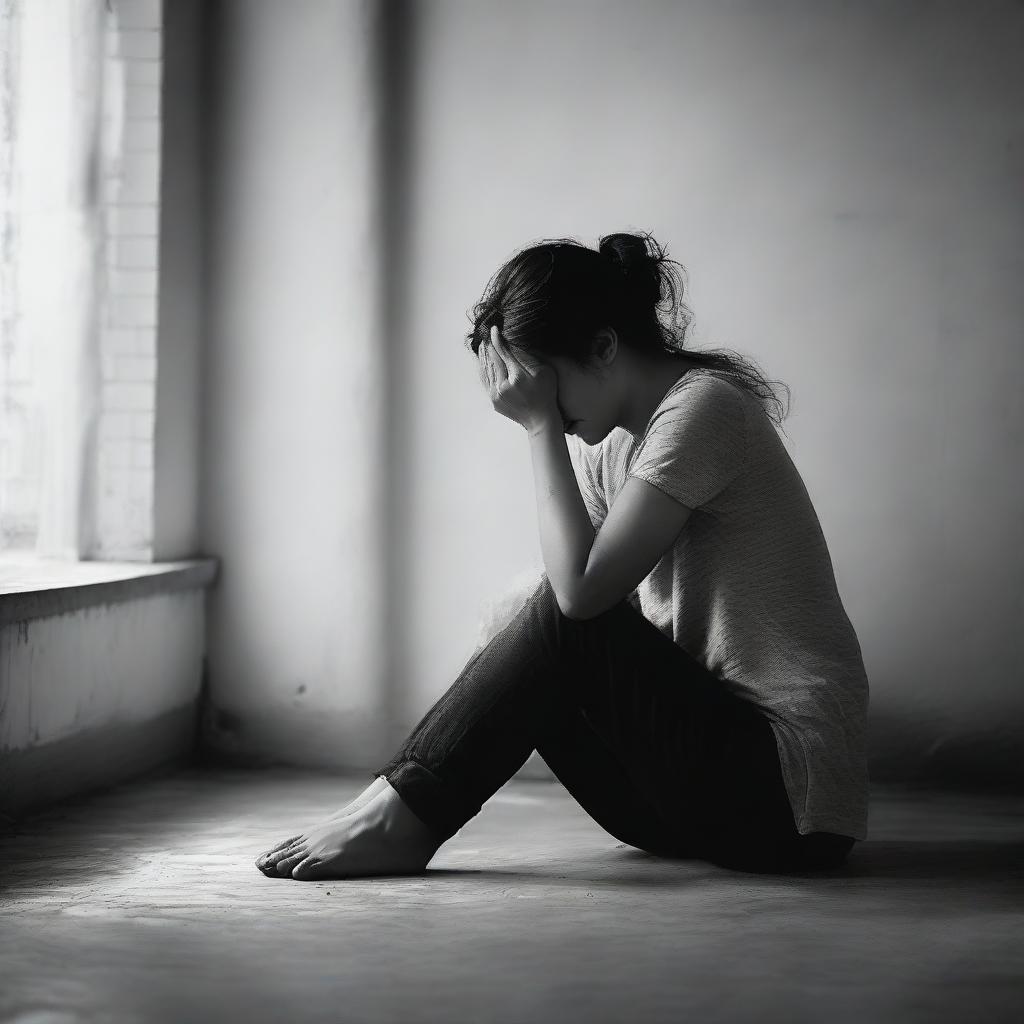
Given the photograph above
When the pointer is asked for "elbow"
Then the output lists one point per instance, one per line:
(568, 606)
(575, 609)
(582, 607)
(570, 612)
(583, 601)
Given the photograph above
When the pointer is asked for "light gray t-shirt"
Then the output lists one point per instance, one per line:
(748, 586)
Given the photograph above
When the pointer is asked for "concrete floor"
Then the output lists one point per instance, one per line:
(143, 904)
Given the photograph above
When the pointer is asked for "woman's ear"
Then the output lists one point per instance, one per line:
(604, 346)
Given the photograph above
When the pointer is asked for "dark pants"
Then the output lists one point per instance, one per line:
(652, 745)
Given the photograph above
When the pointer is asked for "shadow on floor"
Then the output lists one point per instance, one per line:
(935, 861)
(947, 860)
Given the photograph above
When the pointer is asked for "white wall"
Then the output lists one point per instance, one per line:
(290, 401)
(843, 182)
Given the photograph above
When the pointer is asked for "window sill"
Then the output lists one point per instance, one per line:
(36, 588)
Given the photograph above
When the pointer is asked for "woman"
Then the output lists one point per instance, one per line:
(685, 667)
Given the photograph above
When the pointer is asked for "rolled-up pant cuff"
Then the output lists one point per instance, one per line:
(437, 803)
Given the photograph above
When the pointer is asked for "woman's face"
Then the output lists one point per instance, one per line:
(584, 399)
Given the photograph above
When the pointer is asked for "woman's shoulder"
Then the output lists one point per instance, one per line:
(704, 395)
(708, 378)
(721, 393)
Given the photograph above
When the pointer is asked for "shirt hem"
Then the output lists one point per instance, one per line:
(838, 826)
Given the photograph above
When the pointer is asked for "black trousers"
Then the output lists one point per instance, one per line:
(651, 744)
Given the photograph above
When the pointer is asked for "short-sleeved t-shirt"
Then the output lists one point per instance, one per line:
(748, 586)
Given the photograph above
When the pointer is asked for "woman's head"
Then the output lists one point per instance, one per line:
(586, 313)
(550, 300)
(579, 309)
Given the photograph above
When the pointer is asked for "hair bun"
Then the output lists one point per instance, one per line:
(631, 255)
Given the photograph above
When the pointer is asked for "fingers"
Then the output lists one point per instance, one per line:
(497, 372)
(508, 357)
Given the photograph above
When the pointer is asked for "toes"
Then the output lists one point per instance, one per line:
(269, 859)
(273, 859)
(284, 866)
(305, 870)
(263, 858)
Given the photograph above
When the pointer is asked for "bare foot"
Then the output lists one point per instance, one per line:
(380, 837)
(378, 785)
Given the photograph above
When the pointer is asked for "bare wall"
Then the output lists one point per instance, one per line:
(292, 384)
(178, 427)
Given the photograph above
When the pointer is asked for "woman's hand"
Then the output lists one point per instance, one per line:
(520, 388)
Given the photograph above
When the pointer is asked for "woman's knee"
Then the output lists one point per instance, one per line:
(544, 591)
(543, 602)
(535, 621)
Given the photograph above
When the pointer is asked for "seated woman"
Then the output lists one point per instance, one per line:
(685, 666)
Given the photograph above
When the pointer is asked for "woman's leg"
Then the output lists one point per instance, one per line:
(577, 756)
(650, 744)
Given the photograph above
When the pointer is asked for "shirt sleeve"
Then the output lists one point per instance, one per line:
(588, 476)
(696, 444)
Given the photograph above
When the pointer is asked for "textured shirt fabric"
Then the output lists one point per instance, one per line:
(748, 586)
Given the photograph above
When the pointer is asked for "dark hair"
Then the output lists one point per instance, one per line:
(551, 298)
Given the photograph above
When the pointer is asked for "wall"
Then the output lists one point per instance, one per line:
(178, 419)
(99, 676)
(292, 405)
(843, 182)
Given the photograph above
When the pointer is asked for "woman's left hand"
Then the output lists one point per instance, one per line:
(524, 391)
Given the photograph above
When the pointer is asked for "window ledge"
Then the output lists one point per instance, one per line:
(36, 588)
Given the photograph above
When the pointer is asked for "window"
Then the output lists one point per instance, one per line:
(79, 196)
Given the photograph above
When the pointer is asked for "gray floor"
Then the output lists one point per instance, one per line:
(143, 904)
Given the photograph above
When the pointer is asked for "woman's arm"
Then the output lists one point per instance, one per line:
(566, 532)
(527, 393)
(587, 573)
(590, 574)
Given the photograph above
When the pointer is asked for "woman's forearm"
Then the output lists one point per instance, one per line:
(566, 532)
